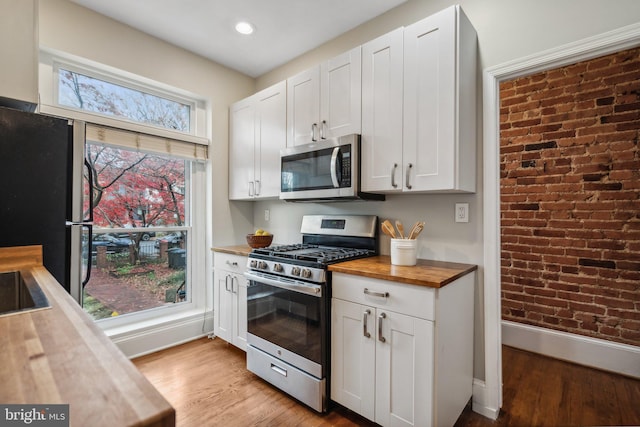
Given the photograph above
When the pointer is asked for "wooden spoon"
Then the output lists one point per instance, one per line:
(417, 229)
(400, 229)
(387, 228)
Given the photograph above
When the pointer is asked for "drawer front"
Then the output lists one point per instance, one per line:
(417, 301)
(230, 262)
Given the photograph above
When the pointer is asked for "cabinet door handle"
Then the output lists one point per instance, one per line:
(380, 317)
(251, 188)
(314, 126)
(234, 279)
(408, 175)
(366, 334)
(258, 187)
(226, 282)
(393, 175)
(376, 294)
(323, 125)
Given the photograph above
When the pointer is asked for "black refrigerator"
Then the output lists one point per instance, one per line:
(41, 191)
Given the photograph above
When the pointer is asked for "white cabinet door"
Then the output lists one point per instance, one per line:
(271, 137)
(325, 101)
(382, 76)
(429, 102)
(257, 133)
(239, 304)
(404, 370)
(439, 103)
(303, 107)
(223, 305)
(241, 150)
(340, 95)
(230, 299)
(353, 356)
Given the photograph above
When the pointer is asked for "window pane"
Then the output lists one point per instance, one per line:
(102, 97)
(139, 253)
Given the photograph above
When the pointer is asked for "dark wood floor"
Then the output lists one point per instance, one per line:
(208, 385)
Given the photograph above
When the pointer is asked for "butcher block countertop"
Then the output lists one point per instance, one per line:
(434, 274)
(58, 355)
(243, 250)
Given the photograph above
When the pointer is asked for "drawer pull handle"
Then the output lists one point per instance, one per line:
(279, 370)
(233, 264)
(380, 317)
(376, 294)
(364, 323)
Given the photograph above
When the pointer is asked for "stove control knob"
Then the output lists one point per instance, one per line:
(306, 273)
(278, 268)
(262, 265)
(253, 263)
(295, 271)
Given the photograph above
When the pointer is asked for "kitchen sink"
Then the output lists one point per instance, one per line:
(20, 292)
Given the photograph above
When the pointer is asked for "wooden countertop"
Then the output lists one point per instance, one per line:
(434, 274)
(59, 356)
(243, 250)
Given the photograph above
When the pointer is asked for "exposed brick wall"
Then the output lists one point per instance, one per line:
(570, 198)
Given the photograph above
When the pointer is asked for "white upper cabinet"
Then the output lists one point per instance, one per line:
(325, 101)
(382, 68)
(439, 130)
(257, 133)
(419, 107)
(19, 50)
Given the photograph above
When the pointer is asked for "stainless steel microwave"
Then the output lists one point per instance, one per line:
(323, 171)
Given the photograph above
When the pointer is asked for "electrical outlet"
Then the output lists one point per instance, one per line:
(462, 212)
(267, 214)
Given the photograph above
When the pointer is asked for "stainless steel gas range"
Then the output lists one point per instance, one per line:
(289, 299)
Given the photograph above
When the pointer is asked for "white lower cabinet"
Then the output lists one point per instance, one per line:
(396, 357)
(230, 299)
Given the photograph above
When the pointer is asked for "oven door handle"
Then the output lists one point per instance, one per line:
(295, 286)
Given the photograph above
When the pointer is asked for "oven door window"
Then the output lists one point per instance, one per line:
(286, 318)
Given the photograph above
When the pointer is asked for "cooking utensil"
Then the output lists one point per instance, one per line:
(416, 230)
(387, 229)
(400, 229)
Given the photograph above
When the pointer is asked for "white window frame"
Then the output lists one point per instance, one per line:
(50, 63)
(193, 317)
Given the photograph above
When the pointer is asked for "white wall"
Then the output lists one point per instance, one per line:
(507, 30)
(70, 28)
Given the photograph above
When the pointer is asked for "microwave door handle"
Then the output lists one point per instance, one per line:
(334, 168)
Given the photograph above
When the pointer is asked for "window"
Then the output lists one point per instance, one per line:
(142, 227)
(88, 93)
(147, 149)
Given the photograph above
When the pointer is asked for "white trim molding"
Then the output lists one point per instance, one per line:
(597, 353)
(489, 398)
(158, 336)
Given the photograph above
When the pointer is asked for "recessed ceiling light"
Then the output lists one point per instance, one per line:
(244, 27)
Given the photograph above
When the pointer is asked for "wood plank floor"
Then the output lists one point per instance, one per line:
(208, 385)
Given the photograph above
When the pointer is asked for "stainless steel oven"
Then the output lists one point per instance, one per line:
(288, 303)
(327, 170)
(287, 324)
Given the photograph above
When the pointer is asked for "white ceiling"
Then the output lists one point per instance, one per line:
(284, 28)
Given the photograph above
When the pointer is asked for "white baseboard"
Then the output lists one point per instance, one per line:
(158, 337)
(597, 353)
(480, 403)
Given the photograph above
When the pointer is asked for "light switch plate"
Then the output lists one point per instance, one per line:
(462, 212)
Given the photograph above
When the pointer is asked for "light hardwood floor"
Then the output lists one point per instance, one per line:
(208, 385)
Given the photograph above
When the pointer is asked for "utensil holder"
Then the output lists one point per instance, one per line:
(404, 251)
